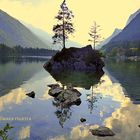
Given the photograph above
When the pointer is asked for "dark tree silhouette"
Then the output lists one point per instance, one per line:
(94, 34)
(64, 26)
(62, 113)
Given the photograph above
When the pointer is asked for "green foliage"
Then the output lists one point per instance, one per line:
(18, 51)
(4, 131)
(127, 49)
(64, 27)
(94, 57)
(65, 54)
(94, 34)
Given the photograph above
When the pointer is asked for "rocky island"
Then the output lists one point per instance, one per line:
(83, 59)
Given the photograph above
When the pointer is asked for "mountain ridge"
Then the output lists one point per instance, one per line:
(47, 38)
(107, 40)
(130, 34)
(14, 33)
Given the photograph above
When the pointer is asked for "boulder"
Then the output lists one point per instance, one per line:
(54, 92)
(102, 132)
(76, 59)
(53, 86)
(83, 120)
(68, 97)
(31, 94)
(69, 86)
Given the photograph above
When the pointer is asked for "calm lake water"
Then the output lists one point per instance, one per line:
(115, 102)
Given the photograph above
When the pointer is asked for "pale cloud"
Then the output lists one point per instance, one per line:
(24, 133)
(13, 97)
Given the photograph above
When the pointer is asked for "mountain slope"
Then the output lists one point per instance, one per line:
(42, 35)
(130, 34)
(115, 33)
(13, 33)
(132, 16)
(47, 38)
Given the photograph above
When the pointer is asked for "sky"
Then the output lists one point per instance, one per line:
(109, 14)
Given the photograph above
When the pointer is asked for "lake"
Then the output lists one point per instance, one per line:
(115, 102)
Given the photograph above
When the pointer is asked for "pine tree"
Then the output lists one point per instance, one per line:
(64, 26)
(94, 34)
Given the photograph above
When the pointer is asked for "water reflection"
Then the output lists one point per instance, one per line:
(123, 121)
(63, 115)
(50, 120)
(24, 133)
(20, 60)
(77, 79)
(13, 75)
(128, 74)
(14, 97)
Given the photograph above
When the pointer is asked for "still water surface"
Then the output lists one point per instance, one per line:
(116, 102)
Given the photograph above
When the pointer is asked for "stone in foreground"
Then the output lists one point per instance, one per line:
(83, 120)
(53, 86)
(31, 94)
(54, 92)
(67, 97)
(102, 132)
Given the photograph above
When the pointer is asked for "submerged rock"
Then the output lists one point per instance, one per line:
(76, 59)
(69, 87)
(54, 92)
(83, 120)
(68, 97)
(31, 94)
(53, 86)
(102, 132)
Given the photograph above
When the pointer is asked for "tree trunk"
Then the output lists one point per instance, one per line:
(64, 40)
(94, 44)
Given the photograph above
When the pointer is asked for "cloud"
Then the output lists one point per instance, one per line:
(14, 97)
(24, 132)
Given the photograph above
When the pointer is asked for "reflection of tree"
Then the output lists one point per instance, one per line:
(77, 79)
(62, 113)
(92, 98)
(91, 101)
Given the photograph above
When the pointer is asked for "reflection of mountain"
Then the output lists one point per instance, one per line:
(128, 75)
(77, 79)
(12, 74)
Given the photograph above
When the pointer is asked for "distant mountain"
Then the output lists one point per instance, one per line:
(115, 33)
(44, 36)
(13, 33)
(130, 34)
(47, 38)
(133, 16)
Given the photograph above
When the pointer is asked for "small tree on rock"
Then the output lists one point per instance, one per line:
(64, 26)
(94, 34)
